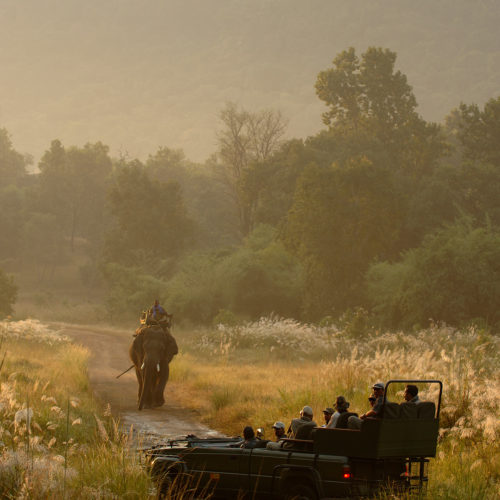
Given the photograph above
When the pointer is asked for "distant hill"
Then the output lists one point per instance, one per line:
(140, 74)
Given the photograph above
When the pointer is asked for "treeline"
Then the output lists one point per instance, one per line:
(381, 218)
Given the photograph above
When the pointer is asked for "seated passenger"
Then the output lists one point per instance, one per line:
(411, 394)
(250, 441)
(327, 414)
(279, 432)
(378, 391)
(306, 417)
(341, 406)
(371, 400)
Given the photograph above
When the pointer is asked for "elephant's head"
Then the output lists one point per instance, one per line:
(158, 350)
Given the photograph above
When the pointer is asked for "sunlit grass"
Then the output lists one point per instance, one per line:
(233, 383)
(73, 448)
(55, 440)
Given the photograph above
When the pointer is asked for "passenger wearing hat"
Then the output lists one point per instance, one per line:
(378, 392)
(327, 413)
(341, 406)
(279, 431)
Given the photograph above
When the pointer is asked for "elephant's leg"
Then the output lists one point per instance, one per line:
(159, 399)
(139, 382)
(149, 381)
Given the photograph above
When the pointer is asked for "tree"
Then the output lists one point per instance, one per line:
(12, 164)
(372, 111)
(454, 276)
(73, 185)
(8, 294)
(245, 141)
(12, 216)
(151, 220)
(342, 218)
(479, 131)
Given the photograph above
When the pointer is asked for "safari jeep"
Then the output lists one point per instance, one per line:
(392, 451)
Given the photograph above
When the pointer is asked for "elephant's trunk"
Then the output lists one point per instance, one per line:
(149, 371)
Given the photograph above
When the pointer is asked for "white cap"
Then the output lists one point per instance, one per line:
(278, 425)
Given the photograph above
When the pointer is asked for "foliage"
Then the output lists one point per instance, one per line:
(246, 141)
(478, 131)
(8, 294)
(192, 294)
(259, 276)
(130, 290)
(453, 277)
(54, 441)
(12, 164)
(259, 372)
(151, 218)
(72, 187)
(372, 106)
(341, 219)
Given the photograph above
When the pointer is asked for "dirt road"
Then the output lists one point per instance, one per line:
(109, 357)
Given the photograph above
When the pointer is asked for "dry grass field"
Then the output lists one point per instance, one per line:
(266, 371)
(56, 442)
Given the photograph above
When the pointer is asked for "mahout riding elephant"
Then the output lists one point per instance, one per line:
(151, 352)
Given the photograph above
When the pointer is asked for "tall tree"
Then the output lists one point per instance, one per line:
(73, 184)
(8, 294)
(12, 164)
(479, 131)
(151, 221)
(372, 111)
(342, 218)
(246, 140)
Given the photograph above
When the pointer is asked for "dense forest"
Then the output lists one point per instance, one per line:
(382, 218)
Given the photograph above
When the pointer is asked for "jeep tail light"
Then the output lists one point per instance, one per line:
(346, 472)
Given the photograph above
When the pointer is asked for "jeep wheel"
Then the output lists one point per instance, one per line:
(298, 491)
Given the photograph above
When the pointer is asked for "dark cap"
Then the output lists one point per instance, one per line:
(329, 410)
(341, 403)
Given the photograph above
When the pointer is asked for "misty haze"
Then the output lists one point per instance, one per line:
(249, 248)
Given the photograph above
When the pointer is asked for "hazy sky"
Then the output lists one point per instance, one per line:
(139, 74)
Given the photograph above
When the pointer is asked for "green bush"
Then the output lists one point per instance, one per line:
(257, 279)
(130, 290)
(454, 276)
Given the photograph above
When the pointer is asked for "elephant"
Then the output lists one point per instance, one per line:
(151, 352)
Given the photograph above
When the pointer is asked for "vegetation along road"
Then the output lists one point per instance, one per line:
(109, 358)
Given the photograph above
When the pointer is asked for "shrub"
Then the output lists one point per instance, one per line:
(453, 277)
(8, 294)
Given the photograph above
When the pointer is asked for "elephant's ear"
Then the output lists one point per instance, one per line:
(138, 343)
(170, 344)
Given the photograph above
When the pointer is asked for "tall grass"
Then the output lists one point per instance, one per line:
(257, 373)
(55, 440)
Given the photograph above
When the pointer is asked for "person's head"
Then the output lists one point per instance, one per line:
(157, 302)
(372, 400)
(327, 413)
(279, 429)
(378, 389)
(341, 405)
(307, 411)
(248, 432)
(410, 392)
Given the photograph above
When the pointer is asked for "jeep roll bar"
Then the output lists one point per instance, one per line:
(411, 381)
